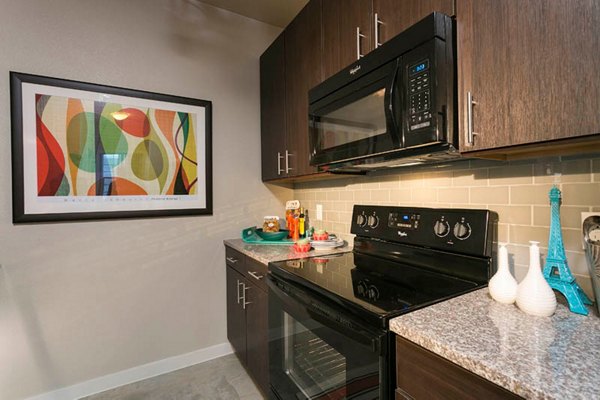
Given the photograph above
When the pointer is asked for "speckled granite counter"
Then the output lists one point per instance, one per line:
(534, 357)
(268, 253)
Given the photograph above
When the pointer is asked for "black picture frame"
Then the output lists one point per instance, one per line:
(148, 171)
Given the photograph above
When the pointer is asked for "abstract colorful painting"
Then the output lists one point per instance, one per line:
(86, 151)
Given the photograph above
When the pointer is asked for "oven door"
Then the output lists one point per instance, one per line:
(318, 352)
(360, 119)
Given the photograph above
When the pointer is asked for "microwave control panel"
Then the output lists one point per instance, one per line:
(419, 94)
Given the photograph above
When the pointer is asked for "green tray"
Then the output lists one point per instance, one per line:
(249, 235)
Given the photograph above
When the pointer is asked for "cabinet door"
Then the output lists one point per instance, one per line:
(341, 18)
(302, 72)
(236, 316)
(421, 374)
(533, 69)
(272, 109)
(257, 340)
(397, 15)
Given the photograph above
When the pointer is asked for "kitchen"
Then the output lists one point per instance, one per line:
(80, 301)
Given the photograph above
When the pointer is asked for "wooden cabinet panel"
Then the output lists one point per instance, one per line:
(340, 20)
(421, 374)
(235, 259)
(257, 344)
(533, 69)
(302, 72)
(397, 15)
(272, 109)
(256, 273)
(236, 316)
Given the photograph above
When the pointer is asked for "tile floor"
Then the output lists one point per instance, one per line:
(223, 378)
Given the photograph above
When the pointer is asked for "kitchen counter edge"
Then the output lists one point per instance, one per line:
(267, 253)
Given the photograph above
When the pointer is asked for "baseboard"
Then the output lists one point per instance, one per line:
(135, 374)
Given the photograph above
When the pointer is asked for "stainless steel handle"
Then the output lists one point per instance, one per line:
(279, 157)
(231, 260)
(358, 36)
(287, 162)
(244, 302)
(470, 134)
(377, 23)
(238, 290)
(255, 275)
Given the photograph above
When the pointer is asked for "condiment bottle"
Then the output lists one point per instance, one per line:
(301, 227)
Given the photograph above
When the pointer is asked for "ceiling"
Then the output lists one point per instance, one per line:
(273, 12)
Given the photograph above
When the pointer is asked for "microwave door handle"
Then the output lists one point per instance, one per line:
(393, 126)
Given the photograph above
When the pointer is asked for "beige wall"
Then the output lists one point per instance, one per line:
(518, 191)
(81, 300)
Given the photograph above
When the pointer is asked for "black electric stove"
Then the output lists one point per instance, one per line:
(403, 259)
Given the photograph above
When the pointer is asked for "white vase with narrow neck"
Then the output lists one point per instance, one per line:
(503, 286)
(534, 295)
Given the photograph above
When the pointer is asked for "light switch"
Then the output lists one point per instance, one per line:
(319, 212)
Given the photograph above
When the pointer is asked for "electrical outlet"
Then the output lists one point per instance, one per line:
(584, 215)
(319, 212)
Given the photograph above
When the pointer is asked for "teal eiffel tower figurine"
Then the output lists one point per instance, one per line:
(556, 270)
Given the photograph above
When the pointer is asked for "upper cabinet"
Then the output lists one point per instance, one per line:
(347, 33)
(302, 72)
(529, 74)
(353, 28)
(272, 111)
(394, 16)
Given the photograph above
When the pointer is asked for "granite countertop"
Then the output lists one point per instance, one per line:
(268, 253)
(554, 357)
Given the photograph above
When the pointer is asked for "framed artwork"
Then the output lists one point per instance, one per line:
(87, 151)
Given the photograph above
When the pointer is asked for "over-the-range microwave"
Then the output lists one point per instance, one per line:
(395, 106)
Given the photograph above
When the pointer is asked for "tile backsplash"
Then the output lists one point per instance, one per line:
(516, 190)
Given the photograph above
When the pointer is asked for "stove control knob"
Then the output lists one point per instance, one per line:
(373, 293)
(441, 228)
(373, 221)
(462, 230)
(361, 220)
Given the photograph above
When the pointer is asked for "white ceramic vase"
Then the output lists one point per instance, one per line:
(503, 286)
(534, 295)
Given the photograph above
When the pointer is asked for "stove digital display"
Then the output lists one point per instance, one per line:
(401, 220)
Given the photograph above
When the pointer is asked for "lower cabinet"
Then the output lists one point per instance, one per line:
(247, 318)
(421, 374)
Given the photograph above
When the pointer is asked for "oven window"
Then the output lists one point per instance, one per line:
(314, 366)
(361, 119)
(323, 364)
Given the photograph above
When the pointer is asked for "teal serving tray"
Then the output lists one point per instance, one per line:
(249, 235)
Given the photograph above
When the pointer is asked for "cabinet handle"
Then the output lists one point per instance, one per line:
(279, 157)
(232, 260)
(287, 162)
(358, 37)
(377, 23)
(255, 275)
(238, 290)
(244, 302)
(470, 134)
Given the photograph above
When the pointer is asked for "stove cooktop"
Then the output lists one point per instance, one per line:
(373, 288)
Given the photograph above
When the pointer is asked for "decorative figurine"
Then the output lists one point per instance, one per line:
(556, 270)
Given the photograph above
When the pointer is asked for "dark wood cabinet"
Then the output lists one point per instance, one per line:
(272, 110)
(533, 71)
(256, 340)
(347, 32)
(247, 314)
(302, 72)
(421, 374)
(236, 316)
(396, 15)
